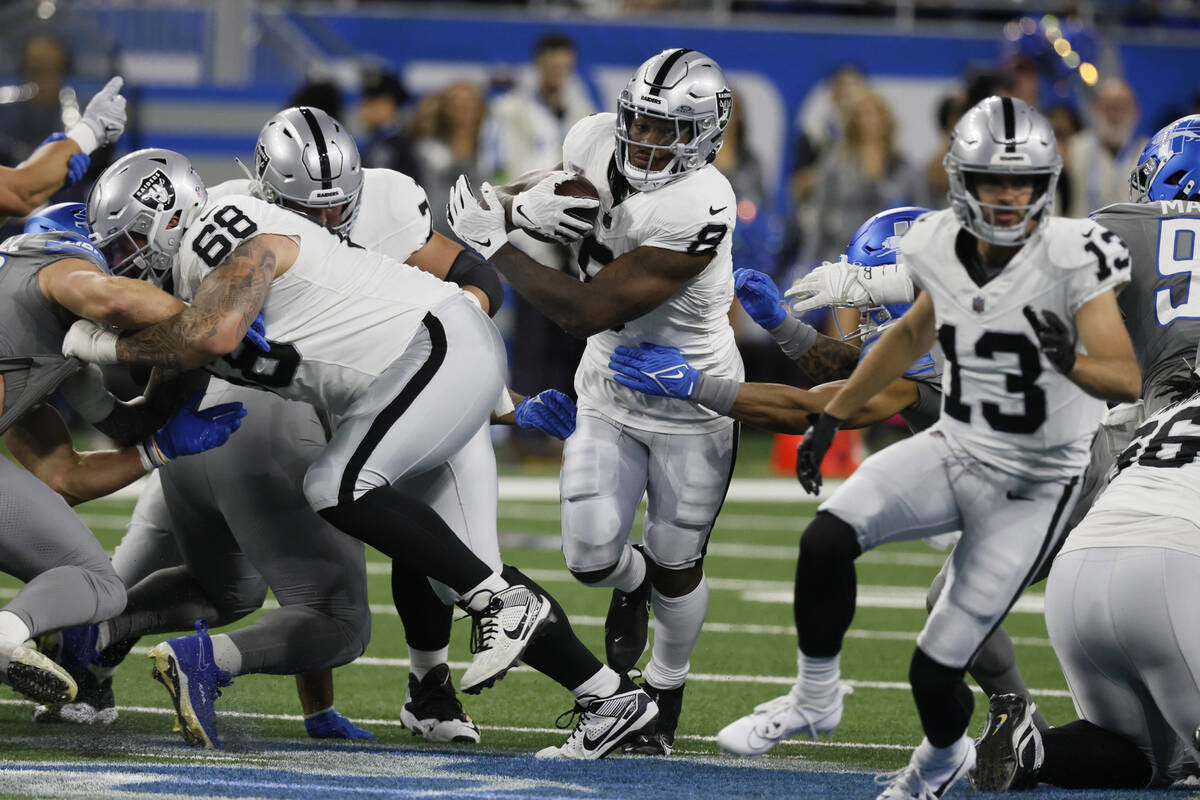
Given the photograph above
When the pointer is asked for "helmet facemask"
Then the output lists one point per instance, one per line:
(684, 148)
(980, 217)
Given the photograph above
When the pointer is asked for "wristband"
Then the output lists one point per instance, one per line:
(504, 404)
(717, 394)
(795, 337)
(84, 136)
(152, 457)
(467, 270)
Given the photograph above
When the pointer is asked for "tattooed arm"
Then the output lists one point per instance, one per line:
(222, 310)
(634, 284)
(828, 360)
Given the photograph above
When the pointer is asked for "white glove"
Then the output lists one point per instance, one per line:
(480, 228)
(539, 210)
(90, 342)
(103, 120)
(840, 283)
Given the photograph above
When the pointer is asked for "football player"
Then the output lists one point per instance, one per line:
(48, 279)
(407, 368)
(1007, 292)
(307, 162)
(63, 158)
(655, 267)
(1138, 715)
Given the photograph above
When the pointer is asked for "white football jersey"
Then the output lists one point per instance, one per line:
(336, 319)
(1157, 475)
(694, 214)
(393, 212)
(1003, 401)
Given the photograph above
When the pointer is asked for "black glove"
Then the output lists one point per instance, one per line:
(1055, 338)
(811, 451)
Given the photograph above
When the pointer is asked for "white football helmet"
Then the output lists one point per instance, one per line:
(139, 209)
(688, 89)
(1001, 136)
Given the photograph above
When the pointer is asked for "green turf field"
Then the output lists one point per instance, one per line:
(745, 655)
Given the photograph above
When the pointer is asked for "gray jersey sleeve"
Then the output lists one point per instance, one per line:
(1160, 307)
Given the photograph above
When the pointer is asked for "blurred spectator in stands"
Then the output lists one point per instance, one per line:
(382, 114)
(1065, 121)
(1100, 157)
(448, 145)
(859, 175)
(44, 102)
(318, 93)
(937, 183)
(524, 130)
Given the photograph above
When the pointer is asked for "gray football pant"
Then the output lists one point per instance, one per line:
(68, 578)
(240, 522)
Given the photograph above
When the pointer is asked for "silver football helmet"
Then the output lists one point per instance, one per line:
(139, 209)
(687, 89)
(306, 160)
(1001, 136)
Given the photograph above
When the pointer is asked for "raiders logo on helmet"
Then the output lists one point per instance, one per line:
(261, 159)
(724, 104)
(156, 192)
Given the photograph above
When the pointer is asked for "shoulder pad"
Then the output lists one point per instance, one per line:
(586, 134)
(1128, 211)
(925, 229)
(60, 244)
(706, 192)
(1071, 243)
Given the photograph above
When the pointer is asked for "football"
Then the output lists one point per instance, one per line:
(578, 186)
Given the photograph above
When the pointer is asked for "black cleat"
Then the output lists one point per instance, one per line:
(431, 709)
(627, 626)
(1009, 753)
(659, 740)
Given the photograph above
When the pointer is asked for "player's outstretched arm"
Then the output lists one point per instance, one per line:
(786, 409)
(86, 291)
(25, 187)
(1109, 369)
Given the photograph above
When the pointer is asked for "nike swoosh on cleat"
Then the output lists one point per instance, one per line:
(515, 633)
(618, 728)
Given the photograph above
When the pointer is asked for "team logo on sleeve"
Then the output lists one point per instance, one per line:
(156, 192)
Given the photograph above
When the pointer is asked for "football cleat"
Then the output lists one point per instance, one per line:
(627, 626)
(1009, 753)
(659, 739)
(94, 704)
(500, 633)
(431, 709)
(603, 723)
(329, 724)
(917, 782)
(186, 668)
(775, 720)
(38, 678)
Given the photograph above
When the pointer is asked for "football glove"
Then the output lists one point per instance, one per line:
(759, 295)
(540, 210)
(90, 342)
(77, 164)
(481, 229)
(811, 451)
(840, 283)
(103, 120)
(1056, 339)
(330, 724)
(550, 411)
(189, 431)
(655, 370)
(256, 334)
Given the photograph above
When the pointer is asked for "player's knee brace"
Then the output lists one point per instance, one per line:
(943, 700)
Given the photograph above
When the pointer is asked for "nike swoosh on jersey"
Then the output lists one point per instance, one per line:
(618, 727)
(486, 242)
(712, 210)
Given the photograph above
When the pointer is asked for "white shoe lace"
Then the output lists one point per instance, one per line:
(908, 779)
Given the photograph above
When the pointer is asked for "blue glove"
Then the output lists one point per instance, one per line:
(77, 164)
(550, 411)
(189, 431)
(256, 334)
(654, 369)
(330, 724)
(759, 295)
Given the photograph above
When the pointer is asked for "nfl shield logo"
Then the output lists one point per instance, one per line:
(977, 305)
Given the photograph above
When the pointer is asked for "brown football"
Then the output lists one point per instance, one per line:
(578, 186)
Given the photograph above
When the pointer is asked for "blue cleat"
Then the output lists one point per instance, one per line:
(330, 724)
(186, 667)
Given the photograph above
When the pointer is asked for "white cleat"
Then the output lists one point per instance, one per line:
(605, 722)
(775, 720)
(917, 782)
(38, 678)
(500, 634)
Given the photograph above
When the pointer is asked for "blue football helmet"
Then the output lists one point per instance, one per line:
(875, 244)
(70, 217)
(1169, 166)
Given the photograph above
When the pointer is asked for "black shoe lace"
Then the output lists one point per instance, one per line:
(484, 627)
(573, 715)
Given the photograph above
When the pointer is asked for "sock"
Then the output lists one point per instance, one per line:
(13, 633)
(479, 595)
(426, 617)
(629, 572)
(316, 714)
(938, 759)
(817, 680)
(677, 623)
(421, 661)
(226, 655)
(995, 669)
(826, 585)
(603, 684)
